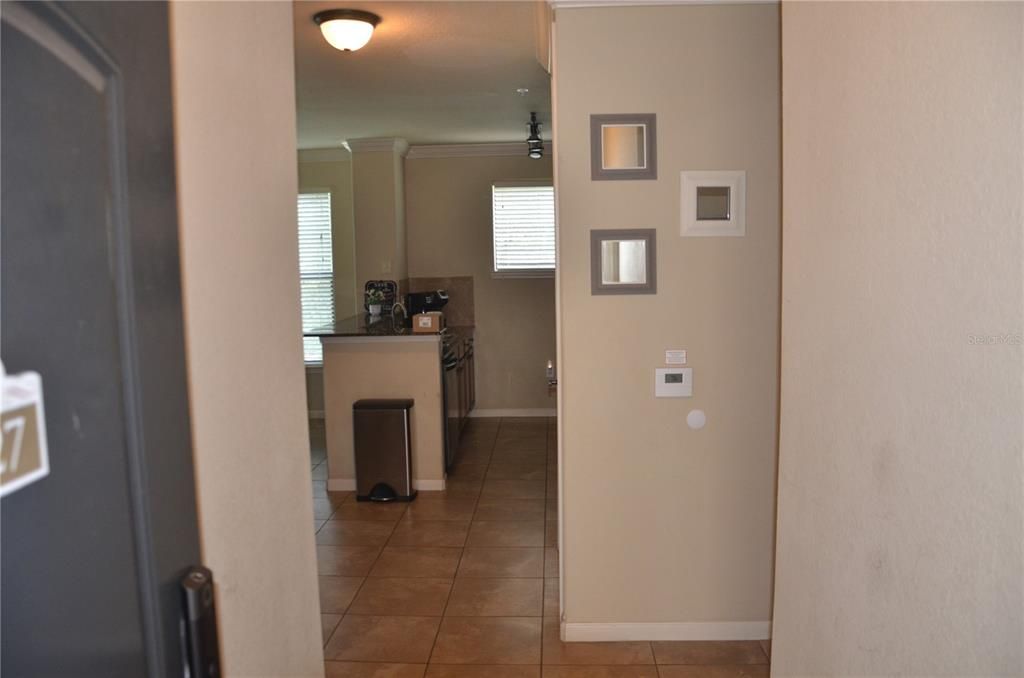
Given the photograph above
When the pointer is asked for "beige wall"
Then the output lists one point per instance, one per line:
(315, 390)
(900, 496)
(668, 528)
(233, 84)
(384, 367)
(335, 176)
(449, 234)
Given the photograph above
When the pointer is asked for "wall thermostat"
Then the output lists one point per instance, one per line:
(673, 382)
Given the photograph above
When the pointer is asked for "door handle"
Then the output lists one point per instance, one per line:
(200, 646)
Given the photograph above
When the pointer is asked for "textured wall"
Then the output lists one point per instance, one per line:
(233, 84)
(900, 496)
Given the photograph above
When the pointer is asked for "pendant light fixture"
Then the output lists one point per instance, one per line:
(534, 144)
(346, 29)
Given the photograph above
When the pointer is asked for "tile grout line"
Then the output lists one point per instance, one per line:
(365, 577)
(473, 518)
(462, 554)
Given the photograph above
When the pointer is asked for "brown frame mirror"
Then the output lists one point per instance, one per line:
(623, 261)
(623, 146)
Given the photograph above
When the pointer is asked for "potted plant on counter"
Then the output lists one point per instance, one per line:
(374, 299)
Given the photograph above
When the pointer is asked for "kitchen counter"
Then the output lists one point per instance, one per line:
(362, 325)
(384, 326)
(384, 359)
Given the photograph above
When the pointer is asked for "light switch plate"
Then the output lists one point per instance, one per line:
(673, 382)
(675, 357)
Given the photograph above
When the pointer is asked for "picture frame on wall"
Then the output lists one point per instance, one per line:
(623, 146)
(713, 203)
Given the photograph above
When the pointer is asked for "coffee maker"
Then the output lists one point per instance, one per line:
(421, 302)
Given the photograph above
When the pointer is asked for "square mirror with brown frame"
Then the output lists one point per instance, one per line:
(623, 261)
(623, 146)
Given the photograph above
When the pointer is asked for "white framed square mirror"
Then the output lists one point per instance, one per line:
(713, 203)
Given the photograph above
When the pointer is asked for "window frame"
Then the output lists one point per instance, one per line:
(533, 272)
(316, 364)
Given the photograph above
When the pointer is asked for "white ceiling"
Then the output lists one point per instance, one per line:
(434, 72)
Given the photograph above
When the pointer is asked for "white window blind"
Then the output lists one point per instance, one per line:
(524, 228)
(316, 269)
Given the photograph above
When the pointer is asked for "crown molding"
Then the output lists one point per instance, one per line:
(338, 154)
(377, 145)
(511, 149)
(587, 4)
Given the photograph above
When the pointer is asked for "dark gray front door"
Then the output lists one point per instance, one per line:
(90, 298)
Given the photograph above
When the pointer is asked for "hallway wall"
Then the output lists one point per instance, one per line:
(901, 514)
(668, 530)
(233, 84)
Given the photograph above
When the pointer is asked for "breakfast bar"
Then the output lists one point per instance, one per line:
(366, 357)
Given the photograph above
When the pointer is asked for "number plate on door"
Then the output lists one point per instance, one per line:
(23, 455)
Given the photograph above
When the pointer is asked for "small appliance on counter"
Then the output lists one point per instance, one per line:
(422, 302)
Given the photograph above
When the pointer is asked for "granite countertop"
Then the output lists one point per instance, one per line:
(364, 326)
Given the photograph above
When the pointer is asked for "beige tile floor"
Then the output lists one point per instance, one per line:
(464, 583)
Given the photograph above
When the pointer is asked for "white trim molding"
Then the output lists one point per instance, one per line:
(587, 4)
(537, 412)
(338, 154)
(349, 485)
(595, 632)
(377, 145)
(511, 149)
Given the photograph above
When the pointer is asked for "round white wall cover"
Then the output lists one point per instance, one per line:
(696, 419)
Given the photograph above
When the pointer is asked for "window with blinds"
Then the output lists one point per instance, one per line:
(316, 269)
(524, 228)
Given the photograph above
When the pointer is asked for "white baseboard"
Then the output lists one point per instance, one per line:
(593, 632)
(537, 412)
(349, 485)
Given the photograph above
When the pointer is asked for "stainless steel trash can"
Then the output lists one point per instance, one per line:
(383, 448)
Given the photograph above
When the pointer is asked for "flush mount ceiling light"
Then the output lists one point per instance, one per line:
(346, 29)
(534, 145)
